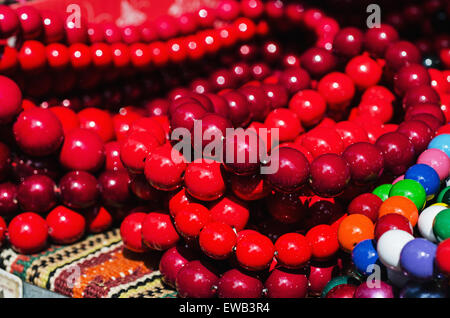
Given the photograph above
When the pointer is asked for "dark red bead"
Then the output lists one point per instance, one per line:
(342, 291)
(286, 207)
(348, 42)
(330, 174)
(213, 125)
(366, 204)
(365, 160)
(112, 156)
(8, 199)
(291, 169)
(295, 79)
(195, 280)
(420, 109)
(5, 162)
(276, 94)
(418, 133)
(285, 284)
(401, 53)
(410, 76)
(37, 194)
(241, 153)
(238, 106)
(53, 26)
(377, 40)
(79, 189)
(237, 284)
(172, 261)
(423, 94)
(114, 187)
(398, 151)
(185, 115)
(318, 61)
(256, 98)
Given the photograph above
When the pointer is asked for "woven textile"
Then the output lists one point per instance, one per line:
(98, 266)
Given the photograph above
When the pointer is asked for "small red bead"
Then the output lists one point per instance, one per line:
(57, 55)
(364, 71)
(135, 148)
(217, 240)
(323, 240)
(131, 34)
(252, 8)
(131, 232)
(65, 226)
(397, 150)
(239, 108)
(295, 79)
(32, 55)
(203, 180)
(309, 106)
(277, 95)
(191, 218)
(101, 55)
(338, 90)
(322, 140)
(158, 232)
(80, 55)
(286, 121)
(98, 220)
(238, 284)
(318, 61)
(9, 21)
(28, 233)
(377, 40)
(82, 150)
(293, 250)
(254, 251)
(97, 120)
(391, 221)
(231, 211)
(120, 55)
(53, 26)
(159, 53)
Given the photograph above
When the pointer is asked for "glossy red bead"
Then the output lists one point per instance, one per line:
(98, 220)
(241, 153)
(398, 151)
(377, 40)
(277, 95)
(65, 226)
(364, 71)
(254, 251)
(258, 104)
(366, 204)
(292, 250)
(114, 187)
(30, 21)
(330, 174)
(338, 90)
(135, 149)
(28, 233)
(410, 76)
(57, 55)
(231, 211)
(342, 291)
(203, 180)
(78, 189)
(80, 56)
(53, 26)
(442, 257)
(401, 53)
(82, 150)
(323, 241)
(158, 232)
(236, 283)
(348, 42)
(98, 121)
(391, 221)
(8, 199)
(131, 232)
(10, 99)
(32, 56)
(423, 94)
(287, 123)
(285, 284)
(366, 162)
(217, 240)
(295, 79)
(318, 61)
(418, 133)
(174, 259)
(322, 140)
(195, 280)
(9, 21)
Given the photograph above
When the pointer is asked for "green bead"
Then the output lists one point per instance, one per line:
(382, 191)
(444, 196)
(412, 190)
(441, 225)
(339, 280)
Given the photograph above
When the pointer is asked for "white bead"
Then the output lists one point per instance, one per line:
(426, 220)
(390, 245)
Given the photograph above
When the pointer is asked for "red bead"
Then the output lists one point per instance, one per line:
(237, 284)
(231, 211)
(292, 169)
(397, 150)
(330, 174)
(206, 16)
(196, 48)
(9, 60)
(78, 189)
(366, 204)
(337, 89)
(131, 232)
(98, 220)
(3, 228)
(30, 21)
(135, 149)
(123, 122)
(148, 32)
(443, 257)
(323, 241)
(140, 55)
(342, 291)
(82, 150)
(365, 160)
(65, 226)
(321, 140)
(418, 133)
(158, 232)
(410, 76)
(391, 221)
(76, 32)
(171, 262)
(131, 34)
(377, 40)
(159, 53)
(293, 250)
(9, 21)
(98, 121)
(276, 94)
(38, 132)
(166, 27)
(284, 284)
(318, 278)
(379, 109)
(241, 153)
(10, 99)
(8, 199)
(423, 94)
(348, 42)
(350, 133)
(190, 219)
(28, 233)
(309, 106)
(53, 26)
(80, 55)
(217, 240)
(32, 55)
(203, 180)
(249, 188)
(254, 251)
(195, 280)
(258, 104)
(364, 71)
(115, 187)
(164, 168)
(421, 109)
(187, 23)
(401, 53)
(286, 121)
(295, 79)
(120, 55)
(239, 108)
(318, 61)
(185, 115)
(252, 8)
(57, 55)
(101, 55)
(112, 156)
(111, 32)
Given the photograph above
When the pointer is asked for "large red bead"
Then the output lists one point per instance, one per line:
(158, 232)
(28, 233)
(65, 226)
(203, 180)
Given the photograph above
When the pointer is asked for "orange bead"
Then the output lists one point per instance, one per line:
(400, 205)
(354, 229)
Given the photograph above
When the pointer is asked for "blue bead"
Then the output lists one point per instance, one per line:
(365, 254)
(441, 142)
(426, 176)
(417, 258)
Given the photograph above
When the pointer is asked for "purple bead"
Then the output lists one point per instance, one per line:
(79, 189)
(375, 289)
(37, 194)
(236, 284)
(418, 257)
(8, 199)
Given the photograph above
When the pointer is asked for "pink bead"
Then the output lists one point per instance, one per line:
(402, 177)
(436, 159)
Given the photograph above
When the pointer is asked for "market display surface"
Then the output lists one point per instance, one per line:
(97, 199)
